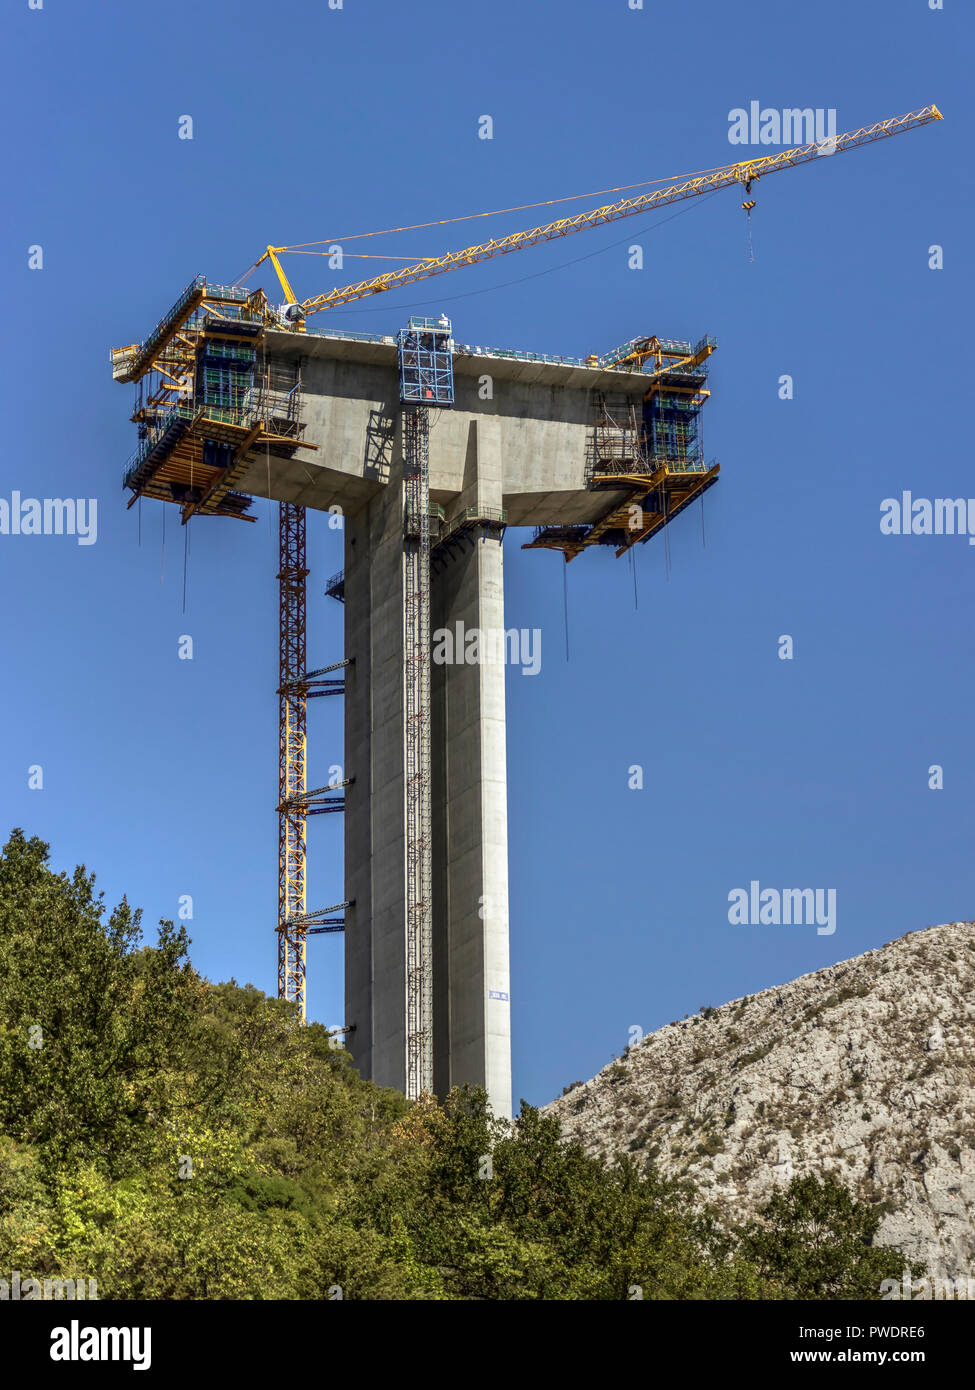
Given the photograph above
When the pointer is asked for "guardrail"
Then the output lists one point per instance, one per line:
(197, 283)
(515, 356)
(121, 358)
(384, 338)
(568, 532)
(178, 412)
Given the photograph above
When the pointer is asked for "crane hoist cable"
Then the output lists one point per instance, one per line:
(565, 602)
(747, 205)
(495, 212)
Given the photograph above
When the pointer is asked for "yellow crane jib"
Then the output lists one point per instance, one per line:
(133, 361)
(744, 173)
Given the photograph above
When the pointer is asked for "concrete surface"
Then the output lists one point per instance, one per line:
(515, 440)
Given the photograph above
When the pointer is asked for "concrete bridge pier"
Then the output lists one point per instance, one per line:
(471, 994)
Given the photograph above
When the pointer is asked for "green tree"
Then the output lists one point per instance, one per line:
(815, 1241)
(176, 1139)
(88, 1020)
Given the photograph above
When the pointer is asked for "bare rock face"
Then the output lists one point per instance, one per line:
(865, 1070)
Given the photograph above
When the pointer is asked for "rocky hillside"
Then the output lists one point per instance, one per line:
(865, 1069)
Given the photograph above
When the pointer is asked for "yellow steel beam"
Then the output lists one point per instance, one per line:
(222, 484)
(272, 255)
(684, 487)
(742, 173)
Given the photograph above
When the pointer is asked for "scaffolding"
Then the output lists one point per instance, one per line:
(199, 304)
(416, 713)
(648, 453)
(207, 402)
(292, 754)
(672, 354)
(426, 379)
(426, 369)
(296, 686)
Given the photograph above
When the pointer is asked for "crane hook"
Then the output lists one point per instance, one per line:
(747, 206)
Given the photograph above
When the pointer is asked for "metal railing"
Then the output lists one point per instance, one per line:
(197, 283)
(154, 437)
(602, 362)
(515, 356)
(122, 358)
(278, 411)
(222, 350)
(424, 325)
(638, 463)
(566, 532)
(385, 338)
(695, 464)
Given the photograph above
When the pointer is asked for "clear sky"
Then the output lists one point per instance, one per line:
(313, 123)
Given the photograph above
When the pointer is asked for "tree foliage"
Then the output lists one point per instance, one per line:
(177, 1139)
(814, 1241)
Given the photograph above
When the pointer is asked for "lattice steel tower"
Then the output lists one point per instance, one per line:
(292, 754)
(426, 379)
(295, 801)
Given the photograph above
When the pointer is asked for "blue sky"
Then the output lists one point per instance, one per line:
(311, 123)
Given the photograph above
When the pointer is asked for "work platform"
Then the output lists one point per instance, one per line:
(208, 402)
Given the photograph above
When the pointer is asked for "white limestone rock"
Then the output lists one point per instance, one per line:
(865, 1070)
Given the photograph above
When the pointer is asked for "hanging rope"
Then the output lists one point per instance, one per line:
(363, 256)
(565, 602)
(267, 442)
(666, 533)
(140, 520)
(186, 553)
(636, 597)
(747, 205)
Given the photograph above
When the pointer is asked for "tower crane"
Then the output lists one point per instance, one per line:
(193, 455)
(745, 173)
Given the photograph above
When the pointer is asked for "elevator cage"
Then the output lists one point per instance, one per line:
(426, 370)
